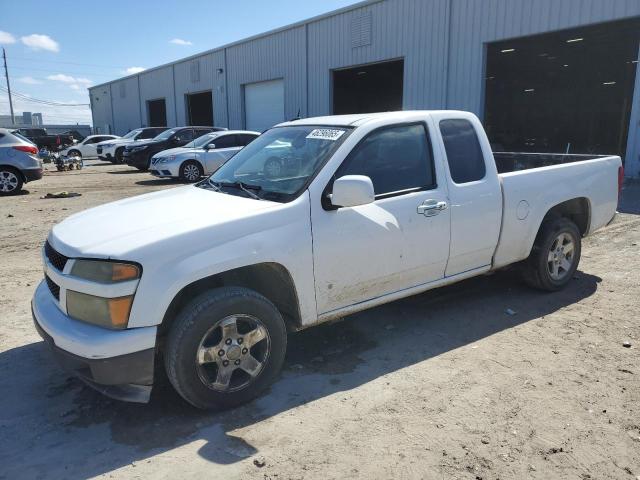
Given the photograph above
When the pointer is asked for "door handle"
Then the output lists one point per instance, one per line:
(429, 208)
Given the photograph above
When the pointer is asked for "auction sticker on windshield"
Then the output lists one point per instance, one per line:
(326, 134)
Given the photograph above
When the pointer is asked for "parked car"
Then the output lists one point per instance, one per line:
(88, 147)
(19, 162)
(202, 156)
(42, 139)
(210, 277)
(111, 150)
(138, 154)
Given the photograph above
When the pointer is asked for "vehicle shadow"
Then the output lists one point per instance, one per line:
(56, 427)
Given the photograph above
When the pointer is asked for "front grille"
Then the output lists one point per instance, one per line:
(55, 289)
(57, 259)
(99, 149)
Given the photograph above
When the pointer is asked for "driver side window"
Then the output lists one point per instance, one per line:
(396, 159)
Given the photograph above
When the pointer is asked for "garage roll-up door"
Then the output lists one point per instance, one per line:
(264, 104)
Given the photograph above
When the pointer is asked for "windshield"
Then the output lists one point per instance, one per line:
(166, 134)
(201, 141)
(133, 133)
(278, 164)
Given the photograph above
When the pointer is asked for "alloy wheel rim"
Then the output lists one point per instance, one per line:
(8, 181)
(233, 353)
(191, 172)
(561, 256)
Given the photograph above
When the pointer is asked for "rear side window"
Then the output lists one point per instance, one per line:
(464, 155)
(395, 159)
(226, 141)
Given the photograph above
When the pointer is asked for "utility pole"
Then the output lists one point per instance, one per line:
(6, 74)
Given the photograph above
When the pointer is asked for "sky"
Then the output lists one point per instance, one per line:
(56, 50)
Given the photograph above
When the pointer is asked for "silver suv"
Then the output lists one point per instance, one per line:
(19, 162)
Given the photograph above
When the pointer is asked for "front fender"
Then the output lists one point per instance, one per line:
(287, 242)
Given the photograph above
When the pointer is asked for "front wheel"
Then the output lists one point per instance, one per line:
(555, 255)
(225, 347)
(191, 171)
(118, 155)
(74, 153)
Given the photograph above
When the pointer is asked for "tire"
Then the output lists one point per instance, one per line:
(74, 153)
(142, 169)
(198, 374)
(548, 267)
(272, 167)
(10, 181)
(118, 155)
(191, 171)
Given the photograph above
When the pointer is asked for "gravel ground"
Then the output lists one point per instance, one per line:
(446, 384)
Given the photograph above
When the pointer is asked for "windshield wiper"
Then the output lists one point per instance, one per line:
(245, 187)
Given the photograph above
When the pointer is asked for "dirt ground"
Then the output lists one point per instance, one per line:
(447, 384)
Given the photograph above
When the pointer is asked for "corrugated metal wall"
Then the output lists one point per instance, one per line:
(199, 75)
(410, 29)
(157, 84)
(442, 43)
(280, 55)
(126, 105)
(100, 98)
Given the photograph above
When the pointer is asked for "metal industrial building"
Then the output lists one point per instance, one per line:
(543, 75)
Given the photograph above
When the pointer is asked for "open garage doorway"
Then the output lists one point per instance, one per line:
(157, 112)
(567, 91)
(199, 108)
(368, 88)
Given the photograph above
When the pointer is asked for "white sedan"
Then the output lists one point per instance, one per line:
(88, 147)
(202, 156)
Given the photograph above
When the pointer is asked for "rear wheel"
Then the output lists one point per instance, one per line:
(10, 181)
(191, 171)
(225, 347)
(555, 255)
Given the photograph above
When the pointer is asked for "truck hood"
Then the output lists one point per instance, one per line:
(155, 224)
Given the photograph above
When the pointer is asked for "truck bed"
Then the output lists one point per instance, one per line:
(532, 184)
(515, 161)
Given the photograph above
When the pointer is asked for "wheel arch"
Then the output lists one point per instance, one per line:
(15, 169)
(269, 279)
(578, 210)
(195, 160)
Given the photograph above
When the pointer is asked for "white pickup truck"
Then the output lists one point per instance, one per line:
(362, 210)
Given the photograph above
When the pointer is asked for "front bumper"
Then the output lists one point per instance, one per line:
(118, 363)
(136, 159)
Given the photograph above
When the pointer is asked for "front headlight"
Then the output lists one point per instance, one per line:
(108, 145)
(167, 159)
(105, 312)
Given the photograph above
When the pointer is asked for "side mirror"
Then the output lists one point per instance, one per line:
(176, 140)
(210, 146)
(352, 190)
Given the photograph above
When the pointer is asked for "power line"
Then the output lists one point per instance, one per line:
(46, 70)
(45, 102)
(65, 62)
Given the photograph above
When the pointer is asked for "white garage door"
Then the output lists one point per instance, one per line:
(264, 104)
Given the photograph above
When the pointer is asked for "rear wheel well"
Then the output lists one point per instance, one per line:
(15, 169)
(577, 210)
(271, 280)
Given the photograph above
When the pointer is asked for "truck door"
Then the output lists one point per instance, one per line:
(474, 192)
(399, 241)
